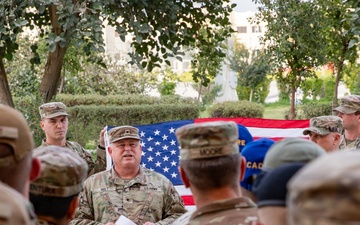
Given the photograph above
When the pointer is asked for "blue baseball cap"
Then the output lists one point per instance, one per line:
(244, 137)
(254, 154)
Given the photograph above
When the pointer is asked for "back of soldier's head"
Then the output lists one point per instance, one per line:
(62, 172)
(209, 154)
(291, 150)
(16, 145)
(326, 191)
(61, 178)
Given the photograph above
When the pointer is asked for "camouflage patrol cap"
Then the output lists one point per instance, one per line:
(15, 132)
(123, 132)
(207, 140)
(326, 191)
(349, 104)
(62, 172)
(324, 125)
(291, 150)
(52, 109)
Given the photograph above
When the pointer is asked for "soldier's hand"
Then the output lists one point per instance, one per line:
(149, 223)
(102, 141)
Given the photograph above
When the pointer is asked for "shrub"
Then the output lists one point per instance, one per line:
(237, 109)
(121, 100)
(86, 120)
(311, 109)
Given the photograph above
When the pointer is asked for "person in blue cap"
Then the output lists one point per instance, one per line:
(254, 153)
(244, 137)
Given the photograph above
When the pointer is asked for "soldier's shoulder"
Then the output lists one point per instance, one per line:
(97, 177)
(183, 219)
(13, 206)
(153, 175)
(73, 144)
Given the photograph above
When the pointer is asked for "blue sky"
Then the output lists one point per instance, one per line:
(245, 5)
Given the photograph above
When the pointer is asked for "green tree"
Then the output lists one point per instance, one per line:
(293, 41)
(158, 28)
(251, 67)
(353, 17)
(339, 39)
(12, 20)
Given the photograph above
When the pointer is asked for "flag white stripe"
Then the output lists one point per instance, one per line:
(276, 132)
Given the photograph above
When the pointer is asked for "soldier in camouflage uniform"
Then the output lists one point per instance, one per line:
(17, 165)
(349, 112)
(141, 195)
(211, 166)
(325, 131)
(54, 122)
(326, 191)
(55, 192)
(13, 209)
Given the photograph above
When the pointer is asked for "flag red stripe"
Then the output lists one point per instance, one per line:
(188, 199)
(260, 122)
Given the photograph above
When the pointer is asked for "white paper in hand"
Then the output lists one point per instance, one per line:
(124, 221)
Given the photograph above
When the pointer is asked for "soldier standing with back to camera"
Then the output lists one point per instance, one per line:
(212, 167)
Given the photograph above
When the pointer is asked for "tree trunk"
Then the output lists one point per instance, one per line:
(200, 89)
(52, 73)
(251, 94)
(292, 103)
(337, 81)
(339, 68)
(62, 81)
(5, 94)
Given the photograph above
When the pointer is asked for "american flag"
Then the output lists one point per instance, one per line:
(160, 149)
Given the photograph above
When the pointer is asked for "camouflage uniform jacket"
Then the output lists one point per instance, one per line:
(226, 212)
(94, 167)
(20, 211)
(353, 145)
(148, 197)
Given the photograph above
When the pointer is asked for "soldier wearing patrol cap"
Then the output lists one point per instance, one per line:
(13, 209)
(325, 131)
(211, 166)
(54, 122)
(349, 112)
(17, 165)
(141, 195)
(54, 193)
(326, 191)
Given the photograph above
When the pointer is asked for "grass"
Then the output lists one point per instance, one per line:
(275, 111)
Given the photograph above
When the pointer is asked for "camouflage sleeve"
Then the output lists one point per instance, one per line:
(84, 214)
(174, 206)
(100, 163)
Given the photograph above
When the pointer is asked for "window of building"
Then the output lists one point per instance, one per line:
(256, 29)
(241, 29)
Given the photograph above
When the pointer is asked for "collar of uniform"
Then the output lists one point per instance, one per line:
(241, 202)
(44, 222)
(43, 143)
(139, 179)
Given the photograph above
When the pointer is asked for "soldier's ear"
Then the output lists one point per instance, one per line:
(109, 150)
(72, 207)
(35, 169)
(42, 124)
(184, 177)
(242, 168)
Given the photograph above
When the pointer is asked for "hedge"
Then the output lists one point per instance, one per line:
(237, 109)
